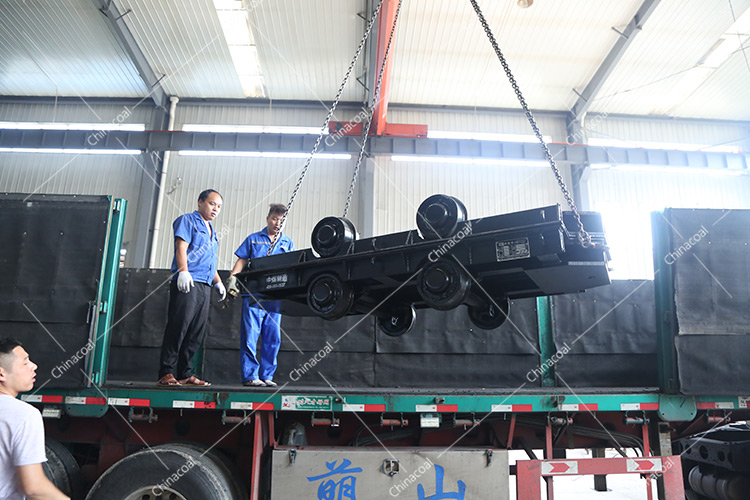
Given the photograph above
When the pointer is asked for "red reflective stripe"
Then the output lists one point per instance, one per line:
(140, 402)
(374, 407)
(52, 399)
(523, 408)
(649, 406)
(451, 408)
(262, 406)
(96, 401)
(203, 404)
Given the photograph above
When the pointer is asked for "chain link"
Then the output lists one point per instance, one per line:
(326, 121)
(368, 122)
(583, 236)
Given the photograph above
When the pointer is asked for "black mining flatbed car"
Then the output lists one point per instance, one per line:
(448, 261)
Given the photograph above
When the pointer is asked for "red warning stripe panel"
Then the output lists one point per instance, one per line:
(715, 405)
(140, 402)
(639, 406)
(262, 406)
(579, 407)
(52, 399)
(523, 408)
(374, 407)
(447, 408)
(80, 400)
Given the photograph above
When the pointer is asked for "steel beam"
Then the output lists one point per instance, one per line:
(123, 34)
(162, 140)
(615, 54)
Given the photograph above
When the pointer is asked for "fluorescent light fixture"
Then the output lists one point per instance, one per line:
(673, 146)
(471, 161)
(267, 154)
(668, 170)
(728, 43)
(252, 129)
(484, 136)
(233, 19)
(73, 151)
(129, 127)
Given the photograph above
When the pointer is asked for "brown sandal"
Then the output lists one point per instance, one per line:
(168, 380)
(193, 380)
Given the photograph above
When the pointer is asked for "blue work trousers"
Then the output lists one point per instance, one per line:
(259, 323)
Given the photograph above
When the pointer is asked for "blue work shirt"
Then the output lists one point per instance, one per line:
(256, 245)
(203, 249)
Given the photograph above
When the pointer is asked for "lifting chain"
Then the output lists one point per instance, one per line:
(583, 236)
(368, 122)
(326, 121)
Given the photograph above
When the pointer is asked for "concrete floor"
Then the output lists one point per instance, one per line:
(620, 487)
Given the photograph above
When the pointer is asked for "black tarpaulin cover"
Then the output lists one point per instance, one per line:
(50, 264)
(710, 260)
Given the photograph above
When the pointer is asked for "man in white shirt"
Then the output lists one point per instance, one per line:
(21, 431)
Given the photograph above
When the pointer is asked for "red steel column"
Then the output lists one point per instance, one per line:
(385, 23)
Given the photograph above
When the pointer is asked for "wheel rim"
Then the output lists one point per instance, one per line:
(490, 315)
(329, 297)
(149, 493)
(439, 216)
(443, 285)
(398, 322)
(333, 236)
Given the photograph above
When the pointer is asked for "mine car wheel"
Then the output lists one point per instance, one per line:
(490, 315)
(329, 297)
(398, 321)
(439, 216)
(443, 284)
(333, 236)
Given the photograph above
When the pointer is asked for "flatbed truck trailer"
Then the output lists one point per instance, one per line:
(123, 437)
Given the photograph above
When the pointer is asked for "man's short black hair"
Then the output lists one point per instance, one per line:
(204, 194)
(7, 344)
(276, 208)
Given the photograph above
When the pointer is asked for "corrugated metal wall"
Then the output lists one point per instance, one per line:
(257, 115)
(248, 185)
(665, 130)
(77, 113)
(119, 176)
(627, 198)
(507, 122)
(399, 188)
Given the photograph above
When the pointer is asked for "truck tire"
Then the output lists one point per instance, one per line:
(179, 471)
(63, 470)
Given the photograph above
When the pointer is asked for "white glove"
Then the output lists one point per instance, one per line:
(184, 282)
(222, 291)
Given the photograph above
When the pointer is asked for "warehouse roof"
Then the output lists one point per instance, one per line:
(641, 57)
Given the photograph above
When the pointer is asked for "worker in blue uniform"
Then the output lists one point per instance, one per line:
(256, 321)
(194, 273)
